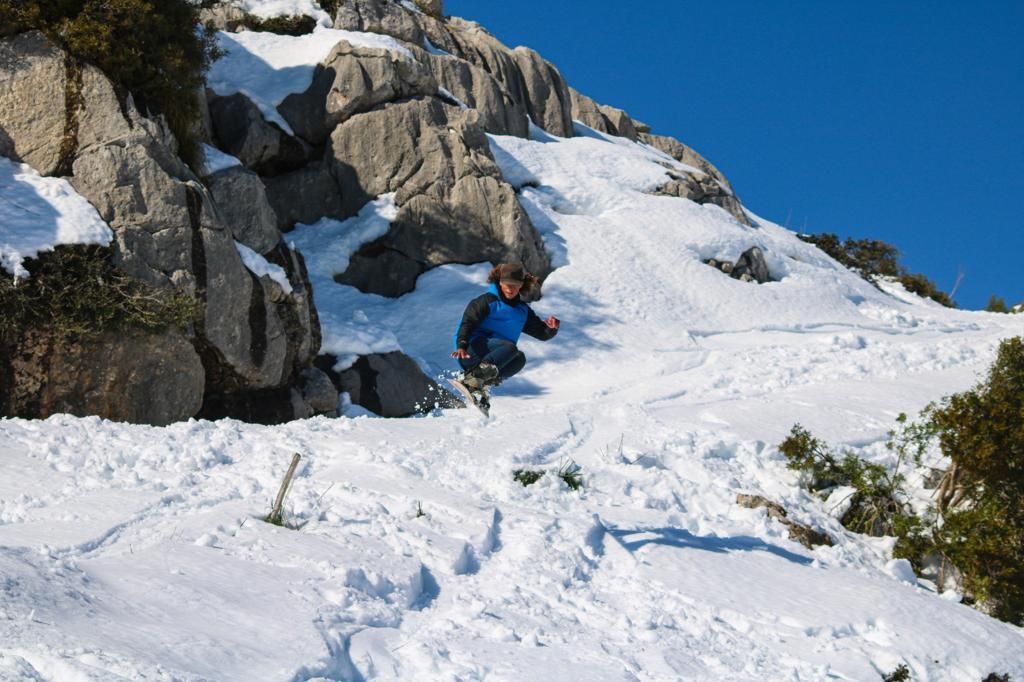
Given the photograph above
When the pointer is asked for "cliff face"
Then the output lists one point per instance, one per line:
(407, 119)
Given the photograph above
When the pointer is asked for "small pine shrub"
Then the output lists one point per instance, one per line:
(872, 258)
(900, 674)
(996, 305)
(157, 51)
(76, 292)
(298, 25)
(526, 476)
(878, 505)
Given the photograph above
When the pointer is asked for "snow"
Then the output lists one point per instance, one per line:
(267, 67)
(139, 552)
(38, 213)
(261, 267)
(327, 246)
(267, 9)
(214, 161)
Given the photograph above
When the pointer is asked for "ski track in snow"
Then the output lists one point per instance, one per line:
(131, 551)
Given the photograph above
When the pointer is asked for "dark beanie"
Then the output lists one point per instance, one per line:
(511, 272)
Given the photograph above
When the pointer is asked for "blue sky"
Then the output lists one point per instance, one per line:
(900, 121)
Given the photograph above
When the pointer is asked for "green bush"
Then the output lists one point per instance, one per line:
(298, 25)
(878, 504)
(996, 305)
(75, 292)
(872, 258)
(153, 50)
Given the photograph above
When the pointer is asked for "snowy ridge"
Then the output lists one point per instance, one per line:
(131, 551)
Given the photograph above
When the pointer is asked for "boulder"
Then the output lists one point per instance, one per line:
(548, 98)
(389, 17)
(620, 122)
(588, 112)
(142, 378)
(392, 385)
(241, 200)
(352, 80)
(751, 263)
(454, 206)
(240, 130)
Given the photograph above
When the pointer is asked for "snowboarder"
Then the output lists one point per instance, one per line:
(485, 341)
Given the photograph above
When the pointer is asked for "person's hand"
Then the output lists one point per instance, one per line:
(460, 354)
(552, 322)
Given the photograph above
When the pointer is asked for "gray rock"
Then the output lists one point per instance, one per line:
(150, 379)
(241, 200)
(379, 16)
(588, 112)
(454, 205)
(805, 535)
(240, 130)
(304, 196)
(352, 80)
(620, 122)
(224, 16)
(751, 265)
(684, 154)
(51, 108)
(318, 392)
(434, 8)
(392, 385)
(499, 112)
(548, 100)
(703, 189)
(168, 230)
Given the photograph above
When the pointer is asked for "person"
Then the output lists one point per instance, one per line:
(485, 340)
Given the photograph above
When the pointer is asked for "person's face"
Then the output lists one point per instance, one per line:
(510, 289)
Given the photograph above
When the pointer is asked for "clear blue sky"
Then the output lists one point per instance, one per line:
(900, 121)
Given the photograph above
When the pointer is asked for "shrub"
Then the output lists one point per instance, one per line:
(878, 504)
(152, 49)
(996, 305)
(76, 292)
(871, 258)
(900, 674)
(298, 25)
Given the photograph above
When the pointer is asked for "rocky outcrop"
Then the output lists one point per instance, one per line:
(352, 80)
(704, 189)
(476, 88)
(241, 200)
(601, 117)
(684, 154)
(169, 232)
(153, 379)
(749, 267)
(239, 128)
(304, 196)
(380, 16)
(454, 205)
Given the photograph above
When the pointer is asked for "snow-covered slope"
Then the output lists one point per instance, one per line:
(130, 552)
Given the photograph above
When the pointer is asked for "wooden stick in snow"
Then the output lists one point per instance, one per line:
(277, 512)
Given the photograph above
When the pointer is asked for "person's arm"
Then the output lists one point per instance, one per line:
(478, 309)
(539, 329)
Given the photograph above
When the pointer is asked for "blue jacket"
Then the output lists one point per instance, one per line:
(491, 315)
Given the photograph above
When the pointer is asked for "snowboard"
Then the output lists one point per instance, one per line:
(483, 405)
